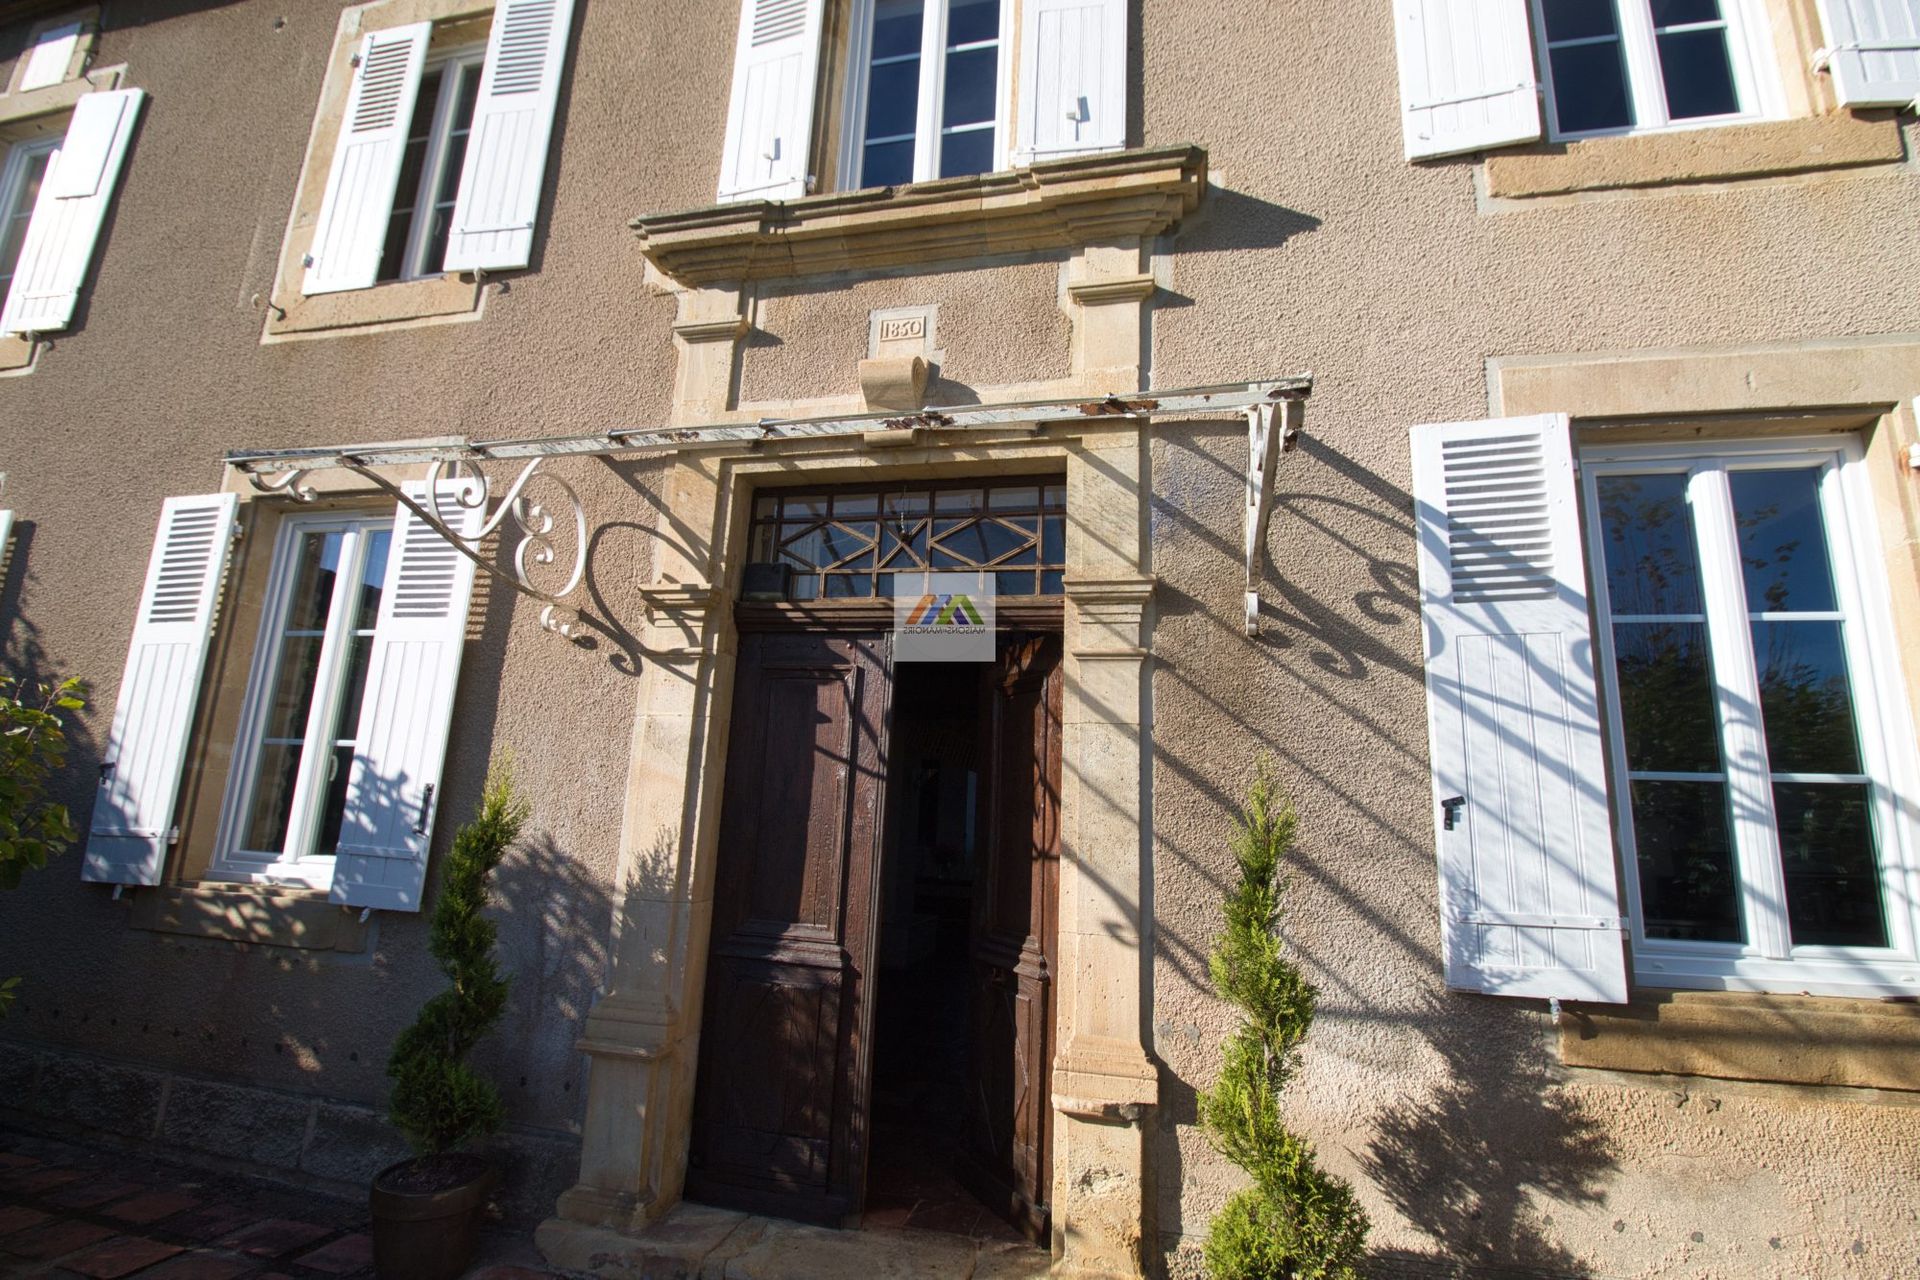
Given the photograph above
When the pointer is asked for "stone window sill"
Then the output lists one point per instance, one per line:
(299, 918)
(1722, 153)
(1739, 1035)
(448, 295)
(16, 352)
(1051, 205)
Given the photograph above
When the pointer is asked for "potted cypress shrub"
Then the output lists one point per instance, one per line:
(427, 1208)
(1296, 1221)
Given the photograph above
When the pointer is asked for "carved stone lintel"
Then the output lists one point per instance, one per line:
(1047, 205)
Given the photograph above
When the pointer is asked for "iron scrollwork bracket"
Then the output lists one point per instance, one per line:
(535, 521)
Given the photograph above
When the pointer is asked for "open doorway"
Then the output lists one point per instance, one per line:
(960, 1112)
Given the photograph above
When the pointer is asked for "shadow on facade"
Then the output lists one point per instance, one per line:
(1477, 1152)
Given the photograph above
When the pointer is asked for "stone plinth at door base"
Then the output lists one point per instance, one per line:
(695, 1242)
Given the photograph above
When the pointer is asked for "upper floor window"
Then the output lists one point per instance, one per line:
(1614, 66)
(405, 196)
(930, 90)
(430, 170)
(20, 177)
(931, 96)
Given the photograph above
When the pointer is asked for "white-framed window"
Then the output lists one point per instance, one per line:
(1638, 66)
(300, 721)
(422, 217)
(1762, 775)
(21, 174)
(928, 96)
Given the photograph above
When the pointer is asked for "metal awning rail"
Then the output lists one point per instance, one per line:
(1273, 408)
(1185, 402)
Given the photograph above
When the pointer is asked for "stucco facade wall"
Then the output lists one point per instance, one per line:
(1317, 247)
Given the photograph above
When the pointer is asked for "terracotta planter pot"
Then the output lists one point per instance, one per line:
(426, 1215)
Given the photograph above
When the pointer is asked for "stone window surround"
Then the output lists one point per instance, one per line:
(1864, 385)
(642, 1035)
(262, 914)
(37, 113)
(454, 297)
(1811, 134)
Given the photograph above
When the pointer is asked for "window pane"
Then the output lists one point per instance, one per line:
(971, 75)
(896, 28)
(972, 20)
(13, 222)
(1674, 13)
(319, 561)
(1783, 546)
(887, 164)
(373, 578)
(964, 153)
(1652, 564)
(293, 687)
(1580, 19)
(358, 657)
(272, 798)
(1666, 697)
(1590, 87)
(1685, 861)
(893, 99)
(335, 806)
(1805, 697)
(1833, 880)
(1697, 74)
(407, 194)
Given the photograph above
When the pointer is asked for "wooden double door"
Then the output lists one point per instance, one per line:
(782, 1096)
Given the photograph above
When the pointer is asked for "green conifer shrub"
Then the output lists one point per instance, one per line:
(1296, 1222)
(439, 1102)
(33, 748)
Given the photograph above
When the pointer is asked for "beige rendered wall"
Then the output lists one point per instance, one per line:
(1316, 248)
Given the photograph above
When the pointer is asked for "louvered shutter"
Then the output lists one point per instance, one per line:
(147, 746)
(405, 713)
(67, 215)
(1073, 78)
(1529, 898)
(1873, 51)
(507, 148)
(352, 227)
(51, 55)
(6, 545)
(776, 65)
(1466, 75)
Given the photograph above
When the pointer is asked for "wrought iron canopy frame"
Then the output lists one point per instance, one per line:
(283, 471)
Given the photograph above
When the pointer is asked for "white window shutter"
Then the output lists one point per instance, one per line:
(1873, 51)
(1466, 75)
(352, 227)
(393, 791)
(6, 546)
(147, 746)
(506, 157)
(67, 215)
(51, 55)
(1073, 78)
(1529, 897)
(776, 69)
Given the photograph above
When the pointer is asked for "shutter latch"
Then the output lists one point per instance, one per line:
(106, 770)
(1450, 809)
(426, 811)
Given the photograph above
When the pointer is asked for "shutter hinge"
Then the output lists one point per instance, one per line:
(354, 61)
(173, 835)
(307, 260)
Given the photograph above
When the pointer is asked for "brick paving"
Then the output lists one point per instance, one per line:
(68, 1212)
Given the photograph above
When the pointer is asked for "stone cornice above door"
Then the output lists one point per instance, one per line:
(1057, 204)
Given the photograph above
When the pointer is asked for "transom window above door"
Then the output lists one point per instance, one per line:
(928, 97)
(853, 543)
(1628, 66)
